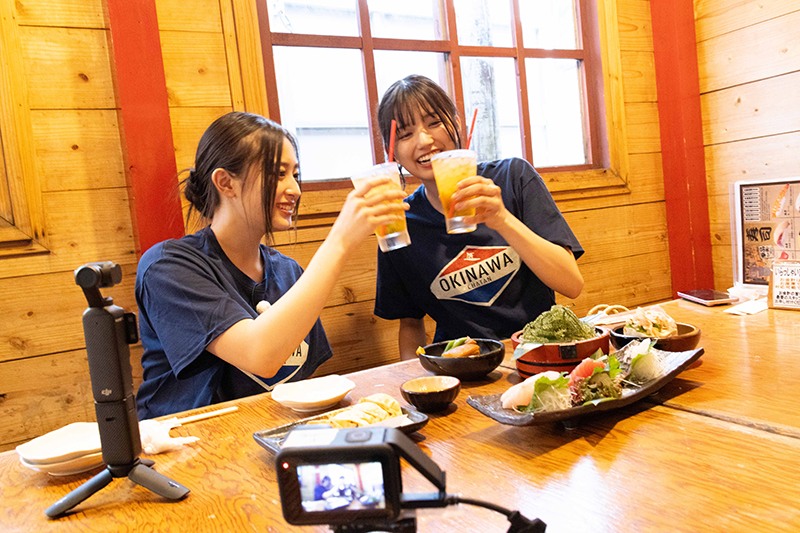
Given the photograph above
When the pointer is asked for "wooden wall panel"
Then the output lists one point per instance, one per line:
(748, 62)
(638, 76)
(629, 281)
(757, 52)
(618, 232)
(635, 29)
(195, 67)
(202, 16)
(723, 267)
(78, 149)
(645, 184)
(762, 157)
(643, 132)
(188, 125)
(357, 282)
(42, 394)
(67, 68)
(62, 13)
(717, 17)
(84, 226)
(44, 379)
(759, 109)
(34, 323)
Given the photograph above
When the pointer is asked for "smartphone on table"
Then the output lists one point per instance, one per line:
(708, 297)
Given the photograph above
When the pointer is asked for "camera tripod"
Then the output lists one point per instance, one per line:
(108, 331)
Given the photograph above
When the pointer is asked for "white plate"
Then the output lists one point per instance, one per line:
(67, 468)
(313, 394)
(71, 441)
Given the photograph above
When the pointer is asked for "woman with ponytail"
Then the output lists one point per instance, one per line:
(223, 316)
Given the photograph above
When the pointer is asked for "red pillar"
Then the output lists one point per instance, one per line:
(144, 122)
(683, 158)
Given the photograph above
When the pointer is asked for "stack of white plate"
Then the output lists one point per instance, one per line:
(313, 394)
(73, 449)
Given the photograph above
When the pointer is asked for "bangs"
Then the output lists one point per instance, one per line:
(408, 105)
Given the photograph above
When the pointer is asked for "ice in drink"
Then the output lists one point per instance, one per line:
(393, 235)
(449, 168)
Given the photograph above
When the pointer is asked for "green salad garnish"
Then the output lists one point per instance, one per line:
(559, 324)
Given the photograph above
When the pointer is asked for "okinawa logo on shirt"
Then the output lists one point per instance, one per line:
(291, 366)
(477, 275)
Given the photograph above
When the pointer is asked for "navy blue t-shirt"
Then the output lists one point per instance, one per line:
(189, 293)
(473, 283)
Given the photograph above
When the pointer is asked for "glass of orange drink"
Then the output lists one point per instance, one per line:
(393, 235)
(449, 168)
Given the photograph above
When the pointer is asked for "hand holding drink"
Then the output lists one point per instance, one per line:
(450, 168)
(393, 235)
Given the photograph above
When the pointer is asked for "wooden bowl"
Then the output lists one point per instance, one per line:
(472, 368)
(559, 357)
(431, 393)
(686, 339)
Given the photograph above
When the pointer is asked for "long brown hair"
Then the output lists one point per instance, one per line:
(237, 142)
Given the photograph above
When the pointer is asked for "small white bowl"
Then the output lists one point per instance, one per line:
(313, 394)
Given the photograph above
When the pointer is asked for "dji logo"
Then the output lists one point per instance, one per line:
(106, 392)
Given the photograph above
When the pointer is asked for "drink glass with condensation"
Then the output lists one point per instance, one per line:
(393, 235)
(449, 168)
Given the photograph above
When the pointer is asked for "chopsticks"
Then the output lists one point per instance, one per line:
(210, 414)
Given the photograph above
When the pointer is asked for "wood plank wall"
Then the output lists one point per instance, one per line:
(44, 375)
(749, 58)
(44, 380)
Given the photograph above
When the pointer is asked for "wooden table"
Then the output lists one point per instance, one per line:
(646, 467)
(750, 372)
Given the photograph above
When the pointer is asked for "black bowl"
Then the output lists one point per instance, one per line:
(687, 338)
(472, 368)
(431, 393)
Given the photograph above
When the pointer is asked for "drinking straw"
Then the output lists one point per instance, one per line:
(391, 140)
(472, 127)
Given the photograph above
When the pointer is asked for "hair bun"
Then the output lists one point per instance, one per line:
(190, 186)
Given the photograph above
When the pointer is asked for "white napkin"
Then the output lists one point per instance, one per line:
(156, 439)
(749, 307)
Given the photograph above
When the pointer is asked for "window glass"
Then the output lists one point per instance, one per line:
(550, 25)
(318, 17)
(409, 19)
(324, 104)
(483, 22)
(555, 102)
(391, 66)
(490, 86)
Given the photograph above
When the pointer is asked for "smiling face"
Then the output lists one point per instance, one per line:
(417, 141)
(287, 189)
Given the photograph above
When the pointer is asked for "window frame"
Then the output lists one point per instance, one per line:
(607, 170)
(25, 233)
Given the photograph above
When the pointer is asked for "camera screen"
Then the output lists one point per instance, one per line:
(341, 487)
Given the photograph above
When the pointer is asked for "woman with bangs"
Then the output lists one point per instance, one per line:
(485, 284)
(221, 315)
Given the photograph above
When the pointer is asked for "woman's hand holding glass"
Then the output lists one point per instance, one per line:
(371, 204)
(486, 198)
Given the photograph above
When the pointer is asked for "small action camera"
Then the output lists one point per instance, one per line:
(344, 476)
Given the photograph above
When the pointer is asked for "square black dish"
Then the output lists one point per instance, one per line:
(272, 438)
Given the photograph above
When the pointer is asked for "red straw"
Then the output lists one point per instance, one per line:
(472, 127)
(391, 140)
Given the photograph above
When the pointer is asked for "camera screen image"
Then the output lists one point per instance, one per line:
(341, 487)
